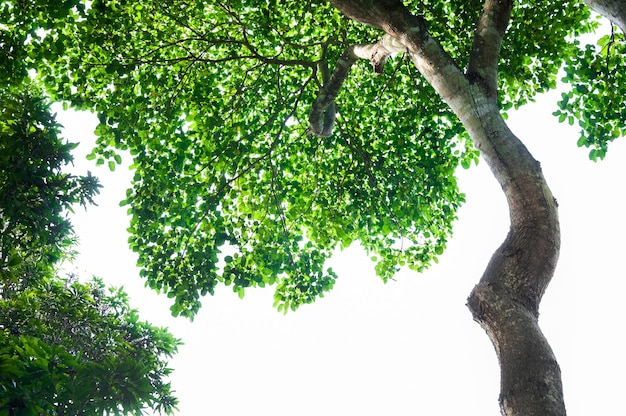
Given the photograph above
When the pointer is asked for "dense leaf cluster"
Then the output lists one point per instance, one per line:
(65, 347)
(211, 100)
(72, 348)
(541, 36)
(597, 98)
(35, 194)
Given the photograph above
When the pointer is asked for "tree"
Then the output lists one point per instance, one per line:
(254, 160)
(72, 348)
(65, 347)
(35, 193)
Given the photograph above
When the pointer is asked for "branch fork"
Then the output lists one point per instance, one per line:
(323, 112)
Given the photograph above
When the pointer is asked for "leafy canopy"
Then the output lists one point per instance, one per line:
(65, 347)
(72, 348)
(35, 193)
(598, 97)
(211, 99)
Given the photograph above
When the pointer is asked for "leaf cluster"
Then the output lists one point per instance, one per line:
(30, 32)
(35, 193)
(72, 348)
(65, 347)
(597, 97)
(541, 36)
(212, 99)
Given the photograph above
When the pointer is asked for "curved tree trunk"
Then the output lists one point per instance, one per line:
(506, 300)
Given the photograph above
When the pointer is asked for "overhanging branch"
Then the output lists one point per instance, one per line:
(614, 10)
(323, 111)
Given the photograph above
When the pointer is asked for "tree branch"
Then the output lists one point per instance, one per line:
(614, 10)
(506, 300)
(405, 32)
(322, 114)
(325, 101)
(483, 62)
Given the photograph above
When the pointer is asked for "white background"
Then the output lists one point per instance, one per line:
(409, 347)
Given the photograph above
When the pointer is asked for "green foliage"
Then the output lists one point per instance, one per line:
(212, 98)
(29, 31)
(65, 347)
(212, 102)
(540, 37)
(597, 98)
(72, 348)
(35, 194)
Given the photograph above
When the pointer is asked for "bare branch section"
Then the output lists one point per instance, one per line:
(376, 13)
(323, 111)
(483, 64)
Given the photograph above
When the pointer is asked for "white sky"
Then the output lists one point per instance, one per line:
(409, 347)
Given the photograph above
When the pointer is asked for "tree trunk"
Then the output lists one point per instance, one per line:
(614, 10)
(506, 300)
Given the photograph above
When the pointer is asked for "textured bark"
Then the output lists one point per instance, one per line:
(506, 300)
(614, 10)
(322, 114)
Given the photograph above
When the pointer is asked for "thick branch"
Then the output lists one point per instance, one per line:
(483, 63)
(405, 32)
(324, 106)
(322, 114)
(377, 13)
(614, 10)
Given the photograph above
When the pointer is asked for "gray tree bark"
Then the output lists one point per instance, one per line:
(506, 300)
(614, 10)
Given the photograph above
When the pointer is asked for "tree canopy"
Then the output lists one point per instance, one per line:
(72, 348)
(35, 194)
(66, 347)
(262, 141)
(212, 100)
